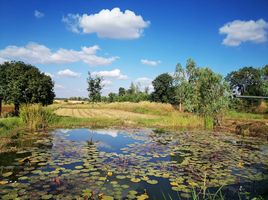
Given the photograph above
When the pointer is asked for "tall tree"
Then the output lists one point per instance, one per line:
(24, 83)
(94, 88)
(163, 89)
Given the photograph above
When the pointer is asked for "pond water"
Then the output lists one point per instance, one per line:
(134, 164)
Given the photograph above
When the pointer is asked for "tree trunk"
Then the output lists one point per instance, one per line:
(0, 107)
(17, 109)
(180, 106)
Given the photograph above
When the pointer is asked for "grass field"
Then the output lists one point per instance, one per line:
(143, 114)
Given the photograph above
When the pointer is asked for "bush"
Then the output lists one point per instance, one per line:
(36, 117)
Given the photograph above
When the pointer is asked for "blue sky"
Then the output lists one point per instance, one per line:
(131, 40)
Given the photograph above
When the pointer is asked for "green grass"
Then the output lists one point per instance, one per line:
(7, 125)
(72, 122)
(245, 116)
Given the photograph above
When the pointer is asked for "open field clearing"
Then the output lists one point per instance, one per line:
(109, 113)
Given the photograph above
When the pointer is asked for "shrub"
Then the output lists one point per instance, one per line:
(36, 117)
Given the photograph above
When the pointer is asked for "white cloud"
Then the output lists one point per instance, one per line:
(113, 24)
(150, 62)
(106, 82)
(72, 22)
(239, 31)
(2, 60)
(49, 74)
(69, 73)
(38, 14)
(116, 73)
(144, 82)
(37, 53)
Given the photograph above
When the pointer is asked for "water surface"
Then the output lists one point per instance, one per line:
(134, 164)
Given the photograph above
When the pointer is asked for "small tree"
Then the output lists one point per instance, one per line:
(213, 96)
(94, 88)
(121, 91)
(164, 90)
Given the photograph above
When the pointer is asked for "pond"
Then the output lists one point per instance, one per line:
(134, 164)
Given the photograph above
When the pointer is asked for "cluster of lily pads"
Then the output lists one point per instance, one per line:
(59, 168)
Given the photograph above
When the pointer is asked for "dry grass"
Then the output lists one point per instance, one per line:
(143, 114)
(93, 113)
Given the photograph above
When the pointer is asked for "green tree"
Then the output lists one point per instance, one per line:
(94, 88)
(248, 81)
(163, 89)
(23, 83)
(213, 96)
(121, 91)
(112, 97)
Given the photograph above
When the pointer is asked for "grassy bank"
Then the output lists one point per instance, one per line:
(123, 115)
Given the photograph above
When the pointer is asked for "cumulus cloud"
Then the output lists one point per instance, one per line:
(150, 62)
(37, 53)
(49, 74)
(38, 14)
(239, 31)
(69, 73)
(116, 73)
(106, 82)
(144, 82)
(114, 24)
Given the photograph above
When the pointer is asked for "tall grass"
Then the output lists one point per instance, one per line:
(9, 124)
(245, 116)
(35, 117)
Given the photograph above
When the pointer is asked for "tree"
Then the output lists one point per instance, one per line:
(132, 89)
(163, 89)
(201, 91)
(249, 81)
(112, 97)
(24, 83)
(121, 91)
(94, 88)
(213, 96)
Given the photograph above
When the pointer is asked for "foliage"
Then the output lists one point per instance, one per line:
(163, 89)
(121, 91)
(133, 94)
(24, 83)
(36, 117)
(248, 81)
(94, 88)
(9, 124)
(200, 90)
(212, 92)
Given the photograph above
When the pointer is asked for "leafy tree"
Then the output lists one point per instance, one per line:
(24, 83)
(163, 89)
(248, 81)
(121, 91)
(200, 90)
(94, 88)
(112, 97)
(213, 95)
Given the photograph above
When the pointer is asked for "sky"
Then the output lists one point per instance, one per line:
(128, 41)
